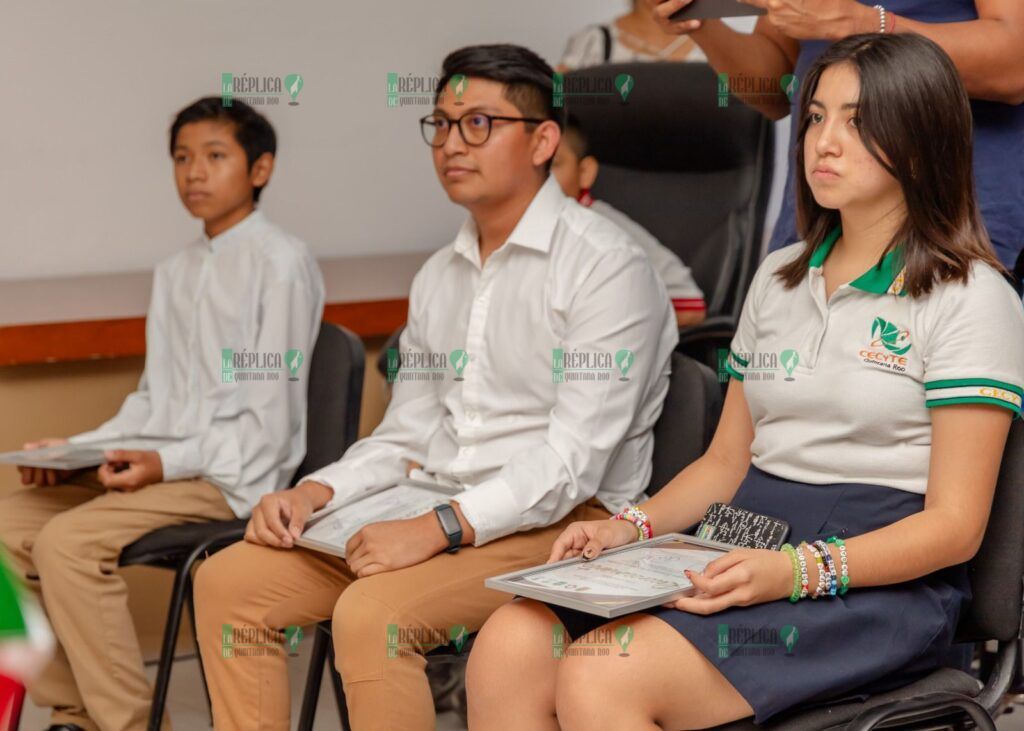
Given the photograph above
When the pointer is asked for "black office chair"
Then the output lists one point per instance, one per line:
(334, 397)
(946, 695)
(681, 435)
(694, 174)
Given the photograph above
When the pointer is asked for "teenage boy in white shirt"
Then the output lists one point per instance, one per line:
(244, 288)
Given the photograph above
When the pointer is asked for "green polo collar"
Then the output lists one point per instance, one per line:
(886, 277)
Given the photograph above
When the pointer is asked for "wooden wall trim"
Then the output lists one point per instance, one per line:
(118, 338)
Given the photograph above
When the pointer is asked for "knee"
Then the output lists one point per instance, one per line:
(225, 578)
(515, 634)
(58, 544)
(360, 631)
(583, 685)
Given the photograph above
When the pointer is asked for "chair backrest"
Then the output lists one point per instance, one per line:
(334, 397)
(695, 174)
(688, 419)
(997, 569)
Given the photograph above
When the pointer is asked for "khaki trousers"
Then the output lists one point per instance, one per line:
(382, 624)
(65, 541)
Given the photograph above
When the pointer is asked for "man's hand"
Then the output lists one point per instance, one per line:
(128, 470)
(279, 517)
(742, 577)
(395, 544)
(40, 476)
(828, 19)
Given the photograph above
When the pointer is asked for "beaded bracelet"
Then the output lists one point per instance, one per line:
(833, 583)
(804, 586)
(639, 518)
(844, 570)
(822, 571)
(788, 549)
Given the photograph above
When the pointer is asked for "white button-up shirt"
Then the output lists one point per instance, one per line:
(532, 381)
(250, 295)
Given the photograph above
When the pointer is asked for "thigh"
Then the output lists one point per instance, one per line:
(448, 589)
(649, 662)
(114, 519)
(278, 586)
(24, 512)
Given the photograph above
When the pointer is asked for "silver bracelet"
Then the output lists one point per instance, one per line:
(881, 18)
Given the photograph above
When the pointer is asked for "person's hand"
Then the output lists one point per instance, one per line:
(588, 538)
(662, 9)
(394, 544)
(742, 577)
(279, 517)
(128, 470)
(40, 476)
(829, 19)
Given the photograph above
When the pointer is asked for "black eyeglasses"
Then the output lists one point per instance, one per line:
(477, 131)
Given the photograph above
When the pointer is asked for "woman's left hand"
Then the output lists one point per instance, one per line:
(742, 577)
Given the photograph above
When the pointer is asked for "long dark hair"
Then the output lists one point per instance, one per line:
(915, 119)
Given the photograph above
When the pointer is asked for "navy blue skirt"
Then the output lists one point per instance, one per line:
(868, 641)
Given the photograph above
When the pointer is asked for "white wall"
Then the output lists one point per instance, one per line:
(90, 89)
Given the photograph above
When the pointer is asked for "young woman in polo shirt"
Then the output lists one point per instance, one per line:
(876, 370)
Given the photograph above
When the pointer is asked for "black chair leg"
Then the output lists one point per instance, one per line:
(190, 600)
(339, 690)
(311, 693)
(182, 587)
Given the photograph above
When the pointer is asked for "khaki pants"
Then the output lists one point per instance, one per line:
(65, 541)
(261, 591)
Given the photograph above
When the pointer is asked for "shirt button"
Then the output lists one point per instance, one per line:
(472, 416)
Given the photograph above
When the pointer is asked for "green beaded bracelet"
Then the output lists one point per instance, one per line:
(844, 579)
(788, 549)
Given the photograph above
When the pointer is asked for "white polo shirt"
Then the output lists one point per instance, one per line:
(839, 390)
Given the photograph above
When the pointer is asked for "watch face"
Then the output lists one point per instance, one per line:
(449, 521)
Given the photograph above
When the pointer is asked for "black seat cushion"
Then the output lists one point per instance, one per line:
(167, 545)
(825, 717)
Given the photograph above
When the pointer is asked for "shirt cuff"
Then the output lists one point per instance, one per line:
(345, 482)
(94, 436)
(491, 509)
(181, 460)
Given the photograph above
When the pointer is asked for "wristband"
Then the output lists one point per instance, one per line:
(804, 585)
(833, 579)
(881, 19)
(791, 552)
(822, 571)
(844, 570)
(639, 518)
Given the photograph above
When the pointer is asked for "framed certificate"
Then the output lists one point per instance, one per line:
(619, 581)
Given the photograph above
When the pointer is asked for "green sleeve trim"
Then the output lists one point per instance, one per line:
(733, 372)
(958, 382)
(739, 360)
(973, 400)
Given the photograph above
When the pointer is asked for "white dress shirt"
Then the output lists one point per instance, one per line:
(253, 289)
(524, 449)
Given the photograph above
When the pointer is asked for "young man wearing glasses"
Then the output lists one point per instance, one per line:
(548, 336)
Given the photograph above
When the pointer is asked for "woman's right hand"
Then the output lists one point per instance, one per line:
(589, 538)
(662, 9)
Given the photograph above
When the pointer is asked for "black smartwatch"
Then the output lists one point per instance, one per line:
(450, 525)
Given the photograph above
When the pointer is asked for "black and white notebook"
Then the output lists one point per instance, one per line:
(742, 528)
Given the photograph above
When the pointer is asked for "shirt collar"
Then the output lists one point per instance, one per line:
(886, 277)
(535, 227)
(235, 233)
